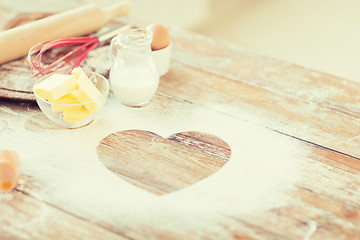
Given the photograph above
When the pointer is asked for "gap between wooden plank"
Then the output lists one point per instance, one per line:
(315, 144)
(71, 213)
(277, 131)
(268, 89)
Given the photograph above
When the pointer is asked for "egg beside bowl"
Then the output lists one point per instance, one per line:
(161, 46)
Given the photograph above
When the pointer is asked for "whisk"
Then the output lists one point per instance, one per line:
(71, 59)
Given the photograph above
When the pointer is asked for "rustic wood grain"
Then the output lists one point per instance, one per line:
(334, 207)
(300, 102)
(341, 209)
(11, 94)
(293, 226)
(275, 110)
(316, 109)
(161, 165)
(203, 142)
(24, 217)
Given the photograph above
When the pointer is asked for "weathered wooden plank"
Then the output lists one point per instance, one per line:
(11, 95)
(294, 116)
(336, 160)
(340, 162)
(250, 87)
(243, 65)
(334, 96)
(160, 165)
(24, 217)
(220, 226)
(292, 222)
(326, 201)
(204, 142)
(345, 211)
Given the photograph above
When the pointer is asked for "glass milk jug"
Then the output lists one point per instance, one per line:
(133, 75)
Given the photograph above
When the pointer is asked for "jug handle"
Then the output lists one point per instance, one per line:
(113, 49)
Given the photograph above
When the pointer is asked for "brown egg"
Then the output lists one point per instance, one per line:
(9, 170)
(161, 37)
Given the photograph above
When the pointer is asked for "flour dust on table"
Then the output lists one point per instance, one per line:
(64, 166)
(3, 125)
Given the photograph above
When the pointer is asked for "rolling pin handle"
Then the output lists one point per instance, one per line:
(118, 9)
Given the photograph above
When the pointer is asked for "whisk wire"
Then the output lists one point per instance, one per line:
(71, 55)
(73, 58)
(79, 53)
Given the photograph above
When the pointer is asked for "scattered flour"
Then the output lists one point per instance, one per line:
(6, 197)
(263, 165)
(3, 125)
(312, 230)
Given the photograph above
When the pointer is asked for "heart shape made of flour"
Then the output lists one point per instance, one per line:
(160, 165)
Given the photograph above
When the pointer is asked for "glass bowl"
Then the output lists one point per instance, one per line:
(75, 115)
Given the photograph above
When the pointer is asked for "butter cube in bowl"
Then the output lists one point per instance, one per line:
(71, 100)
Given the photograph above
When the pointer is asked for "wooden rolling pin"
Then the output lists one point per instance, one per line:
(16, 42)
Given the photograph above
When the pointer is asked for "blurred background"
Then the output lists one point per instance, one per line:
(322, 35)
(318, 34)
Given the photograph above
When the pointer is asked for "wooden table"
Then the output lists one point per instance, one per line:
(281, 140)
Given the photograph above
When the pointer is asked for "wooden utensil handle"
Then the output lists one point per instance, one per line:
(118, 9)
(16, 42)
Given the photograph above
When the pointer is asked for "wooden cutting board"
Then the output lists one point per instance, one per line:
(15, 80)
